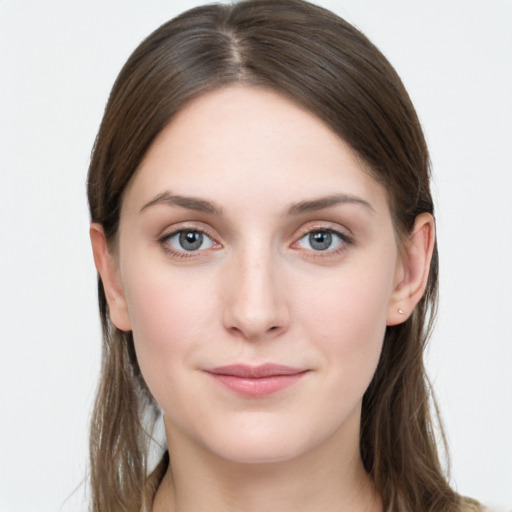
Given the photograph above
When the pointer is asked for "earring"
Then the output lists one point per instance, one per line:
(401, 311)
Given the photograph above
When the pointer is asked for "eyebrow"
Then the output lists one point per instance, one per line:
(327, 202)
(201, 205)
(187, 202)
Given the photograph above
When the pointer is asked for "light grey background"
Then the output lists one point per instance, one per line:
(58, 61)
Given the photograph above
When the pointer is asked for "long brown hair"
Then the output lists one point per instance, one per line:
(323, 63)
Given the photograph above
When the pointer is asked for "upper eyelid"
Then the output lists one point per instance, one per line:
(164, 242)
(344, 238)
(324, 226)
(305, 229)
(329, 229)
(173, 230)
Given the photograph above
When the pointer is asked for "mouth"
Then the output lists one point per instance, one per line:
(256, 381)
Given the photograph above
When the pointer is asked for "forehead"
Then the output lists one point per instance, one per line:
(240, 143)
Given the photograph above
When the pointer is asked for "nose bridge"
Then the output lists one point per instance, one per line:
(255, 305)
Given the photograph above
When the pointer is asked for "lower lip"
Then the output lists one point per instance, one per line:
(258, 387)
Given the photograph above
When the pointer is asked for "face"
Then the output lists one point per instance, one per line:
(258, 264)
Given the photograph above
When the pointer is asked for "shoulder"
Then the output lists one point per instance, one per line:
(483, 508)
(470, 505)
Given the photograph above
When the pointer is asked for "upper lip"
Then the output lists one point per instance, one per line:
(255, 371)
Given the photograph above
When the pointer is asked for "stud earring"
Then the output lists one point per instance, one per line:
(401, 311)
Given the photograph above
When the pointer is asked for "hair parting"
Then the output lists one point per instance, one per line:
(328, 67)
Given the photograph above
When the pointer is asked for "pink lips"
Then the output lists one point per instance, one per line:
(257, 381)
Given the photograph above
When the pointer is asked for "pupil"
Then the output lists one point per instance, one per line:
(320, 240)
(191, 240)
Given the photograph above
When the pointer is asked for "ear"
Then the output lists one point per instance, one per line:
(109, 273)
(413, 270)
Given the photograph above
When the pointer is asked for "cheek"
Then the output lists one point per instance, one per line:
(346, 319)
(168, 316)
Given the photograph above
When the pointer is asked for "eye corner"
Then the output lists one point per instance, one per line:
(322, 241)
(185, 242)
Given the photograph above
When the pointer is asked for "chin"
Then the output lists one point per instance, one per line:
(259, 453)
(262, 443)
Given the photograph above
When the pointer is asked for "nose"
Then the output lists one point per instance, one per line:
(255, 302)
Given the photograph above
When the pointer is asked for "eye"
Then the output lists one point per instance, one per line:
(322, 240)
(188, 240)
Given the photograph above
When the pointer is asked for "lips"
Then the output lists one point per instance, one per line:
(256, 381)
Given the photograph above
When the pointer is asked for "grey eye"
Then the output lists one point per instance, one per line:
(321, 240)
(190, 240)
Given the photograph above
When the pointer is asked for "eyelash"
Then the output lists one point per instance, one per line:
(345, 240)
(164, 242)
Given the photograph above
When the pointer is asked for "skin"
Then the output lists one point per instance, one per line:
(259, 291)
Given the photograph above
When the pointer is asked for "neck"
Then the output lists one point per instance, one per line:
(326, 478)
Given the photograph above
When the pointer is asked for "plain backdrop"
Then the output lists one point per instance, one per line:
(58, 61)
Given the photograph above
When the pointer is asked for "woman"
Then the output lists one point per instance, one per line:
(263, 230)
